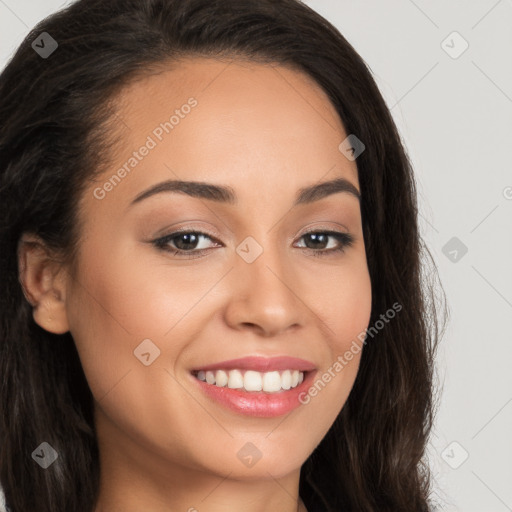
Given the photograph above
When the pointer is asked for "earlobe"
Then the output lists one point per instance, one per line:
(43, 283)
(51, 316)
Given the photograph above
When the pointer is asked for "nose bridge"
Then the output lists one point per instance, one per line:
(264, 258)
(263, 291)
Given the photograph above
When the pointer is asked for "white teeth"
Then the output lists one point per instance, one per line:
(252, 381)
(286, 379)
(270, 382)
(221, 378)
(235, 379)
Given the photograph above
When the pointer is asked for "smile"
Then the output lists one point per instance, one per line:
(251, 381)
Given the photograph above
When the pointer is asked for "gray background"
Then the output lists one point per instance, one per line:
(454, 112)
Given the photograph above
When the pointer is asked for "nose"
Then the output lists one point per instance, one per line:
(266, 297)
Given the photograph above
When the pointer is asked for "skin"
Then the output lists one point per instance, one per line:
(266, 131)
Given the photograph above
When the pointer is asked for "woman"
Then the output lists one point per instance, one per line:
(211, 283)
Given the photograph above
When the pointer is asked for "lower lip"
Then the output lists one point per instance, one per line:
(258, 403)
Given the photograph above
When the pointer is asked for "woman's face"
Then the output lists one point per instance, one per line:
(252, 283)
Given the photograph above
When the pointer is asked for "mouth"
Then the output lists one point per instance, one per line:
(252, 381)
(254, 394)
(255, 374)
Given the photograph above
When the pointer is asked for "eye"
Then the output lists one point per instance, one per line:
(343, 240)
(188, 243)
(183, 242)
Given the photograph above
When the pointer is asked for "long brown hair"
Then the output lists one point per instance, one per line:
(56, 133)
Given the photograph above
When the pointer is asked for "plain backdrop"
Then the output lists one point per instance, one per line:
(445, 71)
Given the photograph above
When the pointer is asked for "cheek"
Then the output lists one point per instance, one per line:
(113, 307)
(352, 313)
(353, 320)
(344, 310)
(119, 300)
(342, 300)
(127, 297)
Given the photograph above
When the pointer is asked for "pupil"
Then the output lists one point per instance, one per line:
(191, 238)
(317, 238)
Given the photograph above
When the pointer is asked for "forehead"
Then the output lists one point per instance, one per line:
(228, 120)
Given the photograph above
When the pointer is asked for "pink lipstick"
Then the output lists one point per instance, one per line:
(256, 386)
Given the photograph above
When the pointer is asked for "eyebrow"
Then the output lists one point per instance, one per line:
(226, 194)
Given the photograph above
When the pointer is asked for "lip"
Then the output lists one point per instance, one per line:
(261, 364)
(258, 404)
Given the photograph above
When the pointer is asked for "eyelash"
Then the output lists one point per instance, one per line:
(345, 240)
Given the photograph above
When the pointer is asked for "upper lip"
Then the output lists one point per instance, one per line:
(261, 364)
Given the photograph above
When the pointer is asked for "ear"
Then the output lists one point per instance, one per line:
(44, 285)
